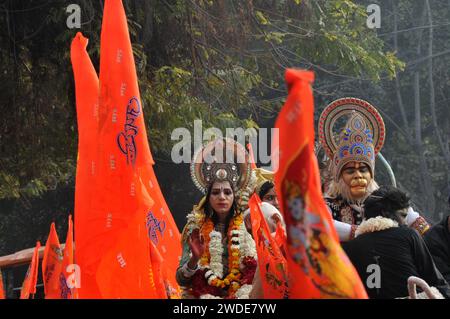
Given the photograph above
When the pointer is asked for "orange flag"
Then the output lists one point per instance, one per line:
(128, 265)
(51, 265)
(69, 276)
(29, 283)
(280, 235)
(159, 272)
(2, 291)
(86, 93)
(251, 156)
(272, 264)
(318, 267)
(127, 190)
(164, 234)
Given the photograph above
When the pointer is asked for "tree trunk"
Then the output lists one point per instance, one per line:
(400, 104)
(426, 186)
(147, 27)
(443, 144)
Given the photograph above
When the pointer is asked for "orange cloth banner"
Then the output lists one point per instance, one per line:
(29, 283)
(251, 156)
(69, 275)
(86, 93)
(163, 234)
(125, 190)
(280, 236)
(128, 265)
(2, 290)
(271, 262)
(318, 267)
(51, 265)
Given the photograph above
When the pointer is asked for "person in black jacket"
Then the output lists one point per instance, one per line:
(386, 252)
(438, 242)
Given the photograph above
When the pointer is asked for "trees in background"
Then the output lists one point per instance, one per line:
(222, 62)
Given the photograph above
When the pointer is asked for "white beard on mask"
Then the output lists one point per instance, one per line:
(342, 189)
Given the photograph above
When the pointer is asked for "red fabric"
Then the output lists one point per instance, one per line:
(51, 265)
(29, 283)
(272, 264)
(318, 267)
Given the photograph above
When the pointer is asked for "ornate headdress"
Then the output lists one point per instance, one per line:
(360, 140)
(221, 160)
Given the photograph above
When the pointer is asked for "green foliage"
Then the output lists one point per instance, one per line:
(222, 62)
(218, 61)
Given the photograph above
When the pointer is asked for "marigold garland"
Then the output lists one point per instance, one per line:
(234, 274)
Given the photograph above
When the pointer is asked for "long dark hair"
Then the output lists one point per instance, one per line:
(209, 212)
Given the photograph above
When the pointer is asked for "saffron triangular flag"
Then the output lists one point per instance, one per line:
(29, 283)
(251, 156)
(272, 264)
(2, 288)
(69, 278)
(125, 271)
(51, 265)
(86, 93)
(127, 189)
(318, 267)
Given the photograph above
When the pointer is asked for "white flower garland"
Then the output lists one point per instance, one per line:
(247, 248)
(375, 224)
(216, 252)
(247, 244)
(209, 296)
(244, 292)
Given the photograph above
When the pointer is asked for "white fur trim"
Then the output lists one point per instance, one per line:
(375, 224)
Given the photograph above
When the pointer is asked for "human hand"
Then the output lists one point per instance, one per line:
(196, 244)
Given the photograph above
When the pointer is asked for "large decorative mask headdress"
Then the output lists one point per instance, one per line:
(360, 140)
(221, 160)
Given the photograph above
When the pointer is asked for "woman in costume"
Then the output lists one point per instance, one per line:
(352, 163)
(219, 255)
